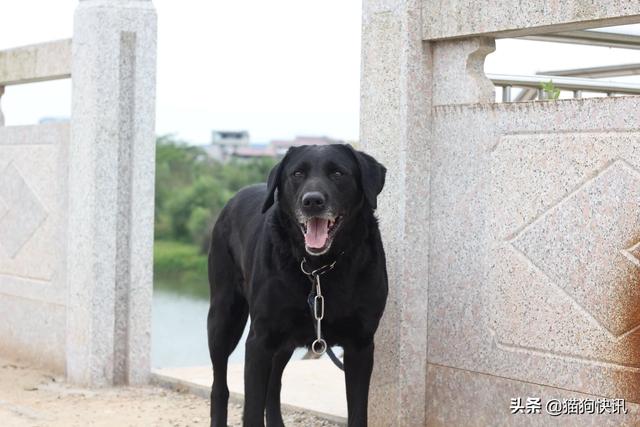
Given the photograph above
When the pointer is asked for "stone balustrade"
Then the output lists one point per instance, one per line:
(36, 63)
(511, 230)
(76, 201)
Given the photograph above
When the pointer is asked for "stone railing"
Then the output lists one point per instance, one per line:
(76, 201)
(511, 229)
(574, 84)
(35, 63)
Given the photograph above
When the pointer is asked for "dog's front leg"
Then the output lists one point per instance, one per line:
(358, 364)
(257, 369)
(274, 414)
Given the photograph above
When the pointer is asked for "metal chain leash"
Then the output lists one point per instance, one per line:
(316, 304)
(319, 346)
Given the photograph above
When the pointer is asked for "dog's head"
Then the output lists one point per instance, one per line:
(322, 187)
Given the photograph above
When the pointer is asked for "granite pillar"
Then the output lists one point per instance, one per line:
(395, 123)
(111, 193)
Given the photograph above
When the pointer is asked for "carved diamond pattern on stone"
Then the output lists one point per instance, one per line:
(3, 209)
(633, 254)
(24, 213)
(588, 245)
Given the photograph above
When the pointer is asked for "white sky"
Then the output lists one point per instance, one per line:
(278, 69)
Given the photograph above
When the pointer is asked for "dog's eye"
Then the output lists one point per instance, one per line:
(298, 174)
(336, 174)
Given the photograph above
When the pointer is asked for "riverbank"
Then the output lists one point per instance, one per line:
(35, 398)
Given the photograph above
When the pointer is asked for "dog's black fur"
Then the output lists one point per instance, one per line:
(256, 249)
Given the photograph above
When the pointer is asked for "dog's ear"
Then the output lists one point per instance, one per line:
(273, 182)
(372, 175)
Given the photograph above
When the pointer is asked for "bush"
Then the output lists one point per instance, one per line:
(192, 189)
(180, 267)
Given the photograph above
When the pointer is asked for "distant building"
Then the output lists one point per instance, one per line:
(254, 151)
(280, 147)
(226, 145)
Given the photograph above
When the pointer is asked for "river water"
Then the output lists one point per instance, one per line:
(179, 332)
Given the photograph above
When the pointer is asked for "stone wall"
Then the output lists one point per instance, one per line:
(33, 166)
(512, 230)
(534, 233)
(76, 201)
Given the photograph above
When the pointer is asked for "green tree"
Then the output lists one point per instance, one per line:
(192, 189)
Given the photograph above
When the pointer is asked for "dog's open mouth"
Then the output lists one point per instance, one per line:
(318, 233)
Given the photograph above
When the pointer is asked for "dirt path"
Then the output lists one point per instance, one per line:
(29, 397)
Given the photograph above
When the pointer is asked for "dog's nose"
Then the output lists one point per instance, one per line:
(313, 200)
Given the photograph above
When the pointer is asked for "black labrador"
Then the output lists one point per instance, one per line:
(316, 210)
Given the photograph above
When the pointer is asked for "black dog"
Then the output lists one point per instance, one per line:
(316, 209)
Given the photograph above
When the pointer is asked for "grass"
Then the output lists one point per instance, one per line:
(181, 268)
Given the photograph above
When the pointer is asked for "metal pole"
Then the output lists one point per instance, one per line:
(506, 93)
(566, 83)
(1, 115)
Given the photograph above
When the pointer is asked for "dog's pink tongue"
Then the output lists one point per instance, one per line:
(317, 232)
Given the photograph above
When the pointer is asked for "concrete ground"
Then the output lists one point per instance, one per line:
(315, 386)
(34, 398)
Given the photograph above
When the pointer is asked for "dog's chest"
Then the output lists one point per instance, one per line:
(341, 320)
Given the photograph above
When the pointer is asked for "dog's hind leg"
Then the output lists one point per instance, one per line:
(358, 364)
(225, 327)
(274, 414)
(225, 323)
